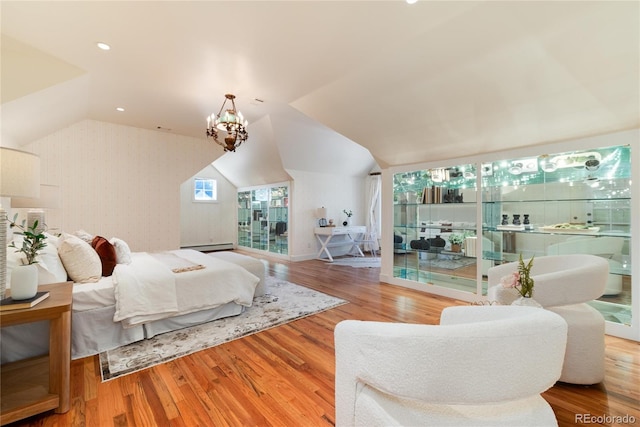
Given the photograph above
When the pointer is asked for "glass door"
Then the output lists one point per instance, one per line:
(435, 236)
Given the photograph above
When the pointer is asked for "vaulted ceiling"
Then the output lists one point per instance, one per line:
(323, 82)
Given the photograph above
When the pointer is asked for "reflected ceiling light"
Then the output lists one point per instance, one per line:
(592, 164)
(547, 164)
(103, 46)
(515, 169)
(229, 121)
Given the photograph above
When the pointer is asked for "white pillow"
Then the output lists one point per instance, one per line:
(52, 239)
(50, 268)
(123, 253)
(84, 236)
(80, 260)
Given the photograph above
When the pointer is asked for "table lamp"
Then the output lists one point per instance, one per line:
(49, 199)
(19, 177)
(321, 214)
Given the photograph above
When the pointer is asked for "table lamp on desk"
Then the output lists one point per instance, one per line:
(321, 214)
(19, 177)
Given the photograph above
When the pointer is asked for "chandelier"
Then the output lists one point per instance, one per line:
(230, 121)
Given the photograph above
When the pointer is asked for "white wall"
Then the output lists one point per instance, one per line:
(311, 190)
(120, 181)
(208, 223)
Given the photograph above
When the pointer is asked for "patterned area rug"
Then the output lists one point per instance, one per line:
(283, 303)
(358, 262)
(449, 264)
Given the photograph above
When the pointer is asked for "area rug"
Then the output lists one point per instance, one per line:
(283, 303)
(358, 262)
(448, 264)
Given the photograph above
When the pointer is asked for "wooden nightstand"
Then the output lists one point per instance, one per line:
(39, 384)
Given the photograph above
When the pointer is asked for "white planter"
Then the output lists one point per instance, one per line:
(24, 281)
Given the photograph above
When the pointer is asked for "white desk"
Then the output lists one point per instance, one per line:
(347, 237)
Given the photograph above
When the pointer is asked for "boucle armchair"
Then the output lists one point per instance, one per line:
(564, 284)
(482, 366)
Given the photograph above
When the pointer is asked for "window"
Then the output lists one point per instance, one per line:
(205, 190)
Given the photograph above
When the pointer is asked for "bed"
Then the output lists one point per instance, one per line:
(187, 288)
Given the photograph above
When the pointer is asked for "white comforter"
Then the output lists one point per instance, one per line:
(147, 290)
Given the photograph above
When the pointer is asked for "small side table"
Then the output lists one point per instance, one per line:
(39, 384)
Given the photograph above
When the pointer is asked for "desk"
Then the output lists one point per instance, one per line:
(39, 384)
(348, 236)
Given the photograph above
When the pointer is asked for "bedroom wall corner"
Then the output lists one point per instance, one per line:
(205, 224)
(120, 181)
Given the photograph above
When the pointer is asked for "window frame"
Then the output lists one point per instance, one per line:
(195, 188)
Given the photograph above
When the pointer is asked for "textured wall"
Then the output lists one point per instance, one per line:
(121, 181)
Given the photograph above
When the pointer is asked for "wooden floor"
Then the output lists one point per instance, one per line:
(285, 376)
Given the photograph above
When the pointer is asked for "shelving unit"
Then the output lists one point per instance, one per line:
(445, 204)
(587, 190)
(263, 214)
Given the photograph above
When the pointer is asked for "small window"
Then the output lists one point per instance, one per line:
(205, 190)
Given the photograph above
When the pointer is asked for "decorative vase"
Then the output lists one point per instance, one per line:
(505, 219)
(516, 219)
(24, 281)
(455, 247)
(421, 244)
(347, 222)
(526, 302)
(437, 242)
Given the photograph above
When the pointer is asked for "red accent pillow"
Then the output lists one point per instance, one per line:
(107, 253)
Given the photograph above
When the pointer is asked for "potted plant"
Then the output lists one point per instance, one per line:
(24, 278)
(456, 240)
(349, 214)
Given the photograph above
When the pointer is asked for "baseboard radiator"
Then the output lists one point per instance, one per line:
(210, 247)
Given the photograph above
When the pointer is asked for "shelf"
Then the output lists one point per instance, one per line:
(560, 232)
(25, 389)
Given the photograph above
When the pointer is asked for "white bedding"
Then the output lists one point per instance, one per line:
(147, 290)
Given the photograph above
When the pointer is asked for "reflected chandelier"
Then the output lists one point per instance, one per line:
(230, 121)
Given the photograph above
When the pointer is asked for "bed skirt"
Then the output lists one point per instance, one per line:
(94, 331)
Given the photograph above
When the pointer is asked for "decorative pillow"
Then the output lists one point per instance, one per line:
(80, 260)
(50, 268)
(107, 254)
(84, 236)
(123, 253)
(52, 240)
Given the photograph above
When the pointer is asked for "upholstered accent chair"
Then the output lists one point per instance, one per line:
(482, 366)
(564, 284)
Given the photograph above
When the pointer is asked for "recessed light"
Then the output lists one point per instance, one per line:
(119, 109)
(412, 1)
(103, 46)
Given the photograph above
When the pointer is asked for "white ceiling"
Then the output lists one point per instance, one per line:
(409, 83)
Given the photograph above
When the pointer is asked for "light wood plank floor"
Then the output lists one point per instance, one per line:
(285, 376)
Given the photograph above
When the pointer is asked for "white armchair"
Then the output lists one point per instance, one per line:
(482, 366)
(564, 284)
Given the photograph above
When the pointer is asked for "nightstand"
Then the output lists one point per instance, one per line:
(39, 384)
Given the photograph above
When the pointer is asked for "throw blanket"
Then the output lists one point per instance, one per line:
(143, 288)
(176, 263)
(147, 290)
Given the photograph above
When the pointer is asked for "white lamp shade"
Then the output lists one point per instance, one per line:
(19, 173)
(49, 199)
(321, 213)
